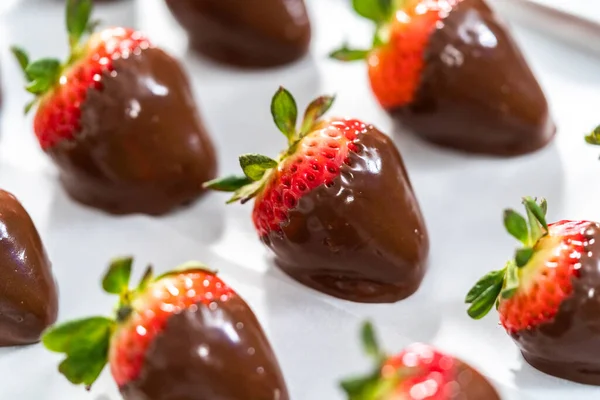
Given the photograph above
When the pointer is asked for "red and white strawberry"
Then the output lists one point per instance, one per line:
(449, 71)
(61, 88)
(336, 206)
(418, 372)
(148, 354)
(548, 295)
(119, 120)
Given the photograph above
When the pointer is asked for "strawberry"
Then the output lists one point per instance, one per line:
(530, 289)
(449, 71)
(336, 206)
(119, 120)
(166, 326)
(418, 372)
(548, 295)
(61, 88)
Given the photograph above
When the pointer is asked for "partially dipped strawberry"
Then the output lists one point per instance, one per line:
(336, 207)
(182, 335)
(418, 372)
(548, 295)
(450, 71)
(119, 120)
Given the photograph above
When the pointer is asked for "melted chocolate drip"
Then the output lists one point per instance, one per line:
(363, 238)
(249, 33)
(477, 92)
(28, 298)
(471, 385)
(142, 146)
(569, 346)
(215, 352)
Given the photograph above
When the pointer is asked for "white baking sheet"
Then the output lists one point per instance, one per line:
(461, 196)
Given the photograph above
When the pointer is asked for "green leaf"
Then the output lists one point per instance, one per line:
(357, 387)
(484, 303)
(42, 75)
(536, 220)
(378, 11)
(227, 184)
(491, 279)
(116, 280)
(146, 279)
(594, 136)
(255, 165)
(369, 340)
(511, 281)
(285, 113)
(29, 106)
(22, 58)
(315, 110)
(516, 225)
(522, 256)
(246, 193)
(346, 54)
(78, 14)
(544, 205)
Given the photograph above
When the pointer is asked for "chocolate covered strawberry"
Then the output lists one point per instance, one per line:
(417, 372)
(119, 119)
(548, 295)
(182, 335)
(336, 207)
(450, 71)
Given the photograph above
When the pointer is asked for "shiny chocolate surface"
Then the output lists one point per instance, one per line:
(477, 92)
(214, 352)
(363, 238)
(569, 346)
(142, 147)
(28, 295)
(249, 33)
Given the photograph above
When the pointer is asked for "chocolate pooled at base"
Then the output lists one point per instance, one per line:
(28, 295)
(363, 238)
(210, 353)
(477, 92)
(249, 33)
(142, 147)
(569, 346)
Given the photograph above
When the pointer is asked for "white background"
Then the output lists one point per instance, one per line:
(461, 196)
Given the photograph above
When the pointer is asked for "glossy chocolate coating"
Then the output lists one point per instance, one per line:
(471, 385)
(477, 93)
(142, 147)
(216, 352)
(28, 298)
(569, 346)
(363, 238)
(249, 33)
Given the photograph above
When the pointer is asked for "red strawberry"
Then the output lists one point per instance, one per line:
(119, 120)
(448, 70)
(546, 296)
(184, 334)
(336, 207)
(418, 372)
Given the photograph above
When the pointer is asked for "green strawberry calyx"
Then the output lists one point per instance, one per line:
(85, 342)
(380, 12)
(503, 283)
(44, 74)
(258, 168)
(374, 386)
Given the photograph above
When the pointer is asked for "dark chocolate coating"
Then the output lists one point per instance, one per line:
(142, 147)
(569, 346)
(216, 352)
(477, 92)
(28, 298)
(248, 33)
(363, 238)
(471, 385)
